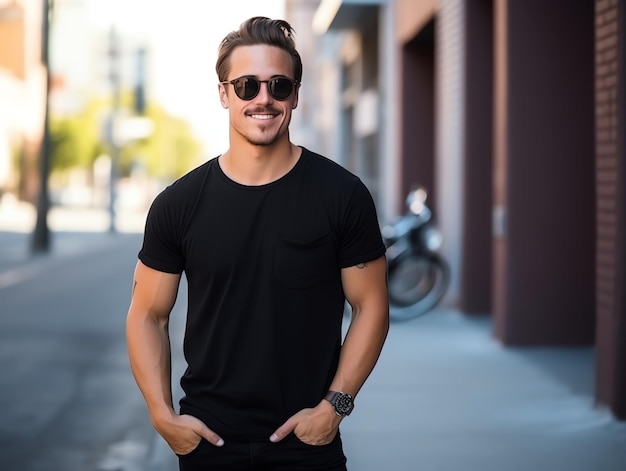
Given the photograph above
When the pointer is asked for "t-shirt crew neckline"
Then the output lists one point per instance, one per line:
(264, 186)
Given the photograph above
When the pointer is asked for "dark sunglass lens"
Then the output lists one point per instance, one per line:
(246, 88)
(281, 88)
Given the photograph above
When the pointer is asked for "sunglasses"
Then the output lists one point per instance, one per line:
(247, 87)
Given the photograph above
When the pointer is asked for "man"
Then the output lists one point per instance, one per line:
(273, 239)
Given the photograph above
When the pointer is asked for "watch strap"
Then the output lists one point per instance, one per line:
(331, 396)
(342, 402)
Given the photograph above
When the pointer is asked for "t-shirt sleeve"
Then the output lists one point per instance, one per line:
(161, 242)
(360, 239)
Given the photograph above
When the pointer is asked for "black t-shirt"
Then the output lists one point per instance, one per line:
(263, 267)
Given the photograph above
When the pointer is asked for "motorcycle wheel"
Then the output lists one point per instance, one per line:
(417, 284)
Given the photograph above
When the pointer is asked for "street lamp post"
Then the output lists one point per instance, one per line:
(41, 233)
(114, 79)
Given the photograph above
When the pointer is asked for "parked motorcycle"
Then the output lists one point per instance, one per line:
(418, 276)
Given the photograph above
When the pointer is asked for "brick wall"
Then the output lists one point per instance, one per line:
(611, 214)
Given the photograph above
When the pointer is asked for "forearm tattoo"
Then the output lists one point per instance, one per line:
(361, 265)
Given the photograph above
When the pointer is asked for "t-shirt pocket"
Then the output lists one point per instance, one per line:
(305, 263)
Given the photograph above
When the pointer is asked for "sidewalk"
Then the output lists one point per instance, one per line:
(446, 396)
(67, 227)
(19, 216)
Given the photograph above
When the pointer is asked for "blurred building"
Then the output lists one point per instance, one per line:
(512, 115)
(22, 95)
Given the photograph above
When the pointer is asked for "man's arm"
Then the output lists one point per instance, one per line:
(365, 286)
(148, 341)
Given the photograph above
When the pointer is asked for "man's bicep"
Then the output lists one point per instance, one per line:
(154, 291)
(366, 282)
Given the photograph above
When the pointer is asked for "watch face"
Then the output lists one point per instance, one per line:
(344, 404)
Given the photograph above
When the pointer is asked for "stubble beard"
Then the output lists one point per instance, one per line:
(265, 136)
(262, 140)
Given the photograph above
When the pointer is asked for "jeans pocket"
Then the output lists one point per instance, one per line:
(194, 451)
(298, 440)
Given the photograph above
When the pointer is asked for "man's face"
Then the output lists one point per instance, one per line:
(263, 120)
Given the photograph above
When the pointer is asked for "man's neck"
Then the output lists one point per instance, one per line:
(258, 165)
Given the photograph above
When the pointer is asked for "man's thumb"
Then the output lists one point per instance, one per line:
(284, 430)
(210, 436)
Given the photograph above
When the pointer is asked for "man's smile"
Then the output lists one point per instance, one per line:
(262, 116)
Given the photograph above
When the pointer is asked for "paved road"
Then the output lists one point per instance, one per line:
(69, 402)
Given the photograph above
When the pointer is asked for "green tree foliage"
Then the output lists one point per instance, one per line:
(170, 151)
(76, 139)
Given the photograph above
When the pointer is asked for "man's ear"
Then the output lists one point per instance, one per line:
(223, 95)
(296, 95)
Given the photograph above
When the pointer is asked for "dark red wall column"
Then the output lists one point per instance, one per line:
(475, 266)
(544, 226)
(611, 211)
(417, 140)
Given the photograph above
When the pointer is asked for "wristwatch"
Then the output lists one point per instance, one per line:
(341, 402)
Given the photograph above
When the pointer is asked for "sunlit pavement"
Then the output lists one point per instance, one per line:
(18, 216)
(445, 396)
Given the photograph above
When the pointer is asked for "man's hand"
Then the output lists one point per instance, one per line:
(184, 432)
(317, 426)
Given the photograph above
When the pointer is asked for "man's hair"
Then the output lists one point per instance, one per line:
(259, 30)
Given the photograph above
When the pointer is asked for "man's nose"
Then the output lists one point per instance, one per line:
(264, 95)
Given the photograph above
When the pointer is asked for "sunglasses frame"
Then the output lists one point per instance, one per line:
(294, 83)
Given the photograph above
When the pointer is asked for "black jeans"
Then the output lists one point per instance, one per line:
(290, 454)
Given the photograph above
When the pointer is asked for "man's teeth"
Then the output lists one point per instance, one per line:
(262, 116)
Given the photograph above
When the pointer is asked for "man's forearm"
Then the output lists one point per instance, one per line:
(150, 359)
(362, 346)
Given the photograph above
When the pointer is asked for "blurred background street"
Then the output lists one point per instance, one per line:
(510, 114)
